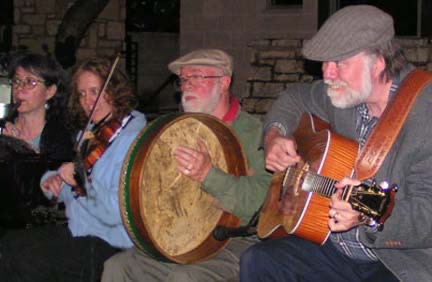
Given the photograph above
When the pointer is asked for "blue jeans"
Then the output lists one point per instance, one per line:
(294, 259)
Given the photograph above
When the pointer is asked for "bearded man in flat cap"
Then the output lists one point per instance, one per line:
(205, 79)
(364, 71)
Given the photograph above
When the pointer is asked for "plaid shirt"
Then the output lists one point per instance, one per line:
(349, 242)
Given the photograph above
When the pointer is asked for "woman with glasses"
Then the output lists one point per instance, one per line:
(39, 93)
(35, 126)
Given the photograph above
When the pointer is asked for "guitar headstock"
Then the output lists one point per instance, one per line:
(374, 201)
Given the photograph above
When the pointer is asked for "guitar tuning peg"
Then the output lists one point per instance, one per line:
(394, 187)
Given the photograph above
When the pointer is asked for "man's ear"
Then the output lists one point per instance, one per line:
(226, 82)
(379, 66)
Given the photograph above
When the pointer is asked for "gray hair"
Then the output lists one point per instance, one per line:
(394, 58)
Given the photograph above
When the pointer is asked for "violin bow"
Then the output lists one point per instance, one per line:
(107, 80)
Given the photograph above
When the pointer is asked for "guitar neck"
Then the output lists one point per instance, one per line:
(318, 184)
(324, 186)
(312, 182)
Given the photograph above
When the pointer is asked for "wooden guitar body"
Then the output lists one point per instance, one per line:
(324, 153)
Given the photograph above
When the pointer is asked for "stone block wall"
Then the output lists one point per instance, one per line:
(232, 25)
(36, 23)
(278, 62)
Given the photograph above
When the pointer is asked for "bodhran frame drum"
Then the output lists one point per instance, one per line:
(165, 212)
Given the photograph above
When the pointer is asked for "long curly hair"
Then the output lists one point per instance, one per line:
(119, 91)
(51, 73)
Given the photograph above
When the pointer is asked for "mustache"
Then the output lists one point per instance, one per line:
(335, 82)
(189, 94)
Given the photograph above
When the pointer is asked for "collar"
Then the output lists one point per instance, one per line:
(234, 109)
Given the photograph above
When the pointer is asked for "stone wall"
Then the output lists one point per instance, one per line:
(265, 43)
(278, 62)
(36, 23)
(232, 25)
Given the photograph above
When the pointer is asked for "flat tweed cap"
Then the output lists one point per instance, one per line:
(349, 31)
(204, 57)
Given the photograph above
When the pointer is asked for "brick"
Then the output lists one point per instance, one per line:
(21, 29)
(423, 54)
(34, 19)
(429, 67)
(31, 43)
(84, 53)
(411, 54)
(101, 29)
(52, 27)
(106, 52)
(278, 54)
(289, 66)
(260, 43)
(306, 78)
(287, 77)
(45, 6)
(108, 44)
(264, 105)
(261, 74)
(293, 43)
(267, 89)
(92, 37)
(248, 104)
(38, 30)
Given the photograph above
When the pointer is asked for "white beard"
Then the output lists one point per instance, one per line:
(350, 97)
(198, 105)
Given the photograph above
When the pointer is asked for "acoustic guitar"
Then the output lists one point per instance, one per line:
(308, 186)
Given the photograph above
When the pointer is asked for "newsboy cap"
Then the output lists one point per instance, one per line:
(204, 57)
(349, 31)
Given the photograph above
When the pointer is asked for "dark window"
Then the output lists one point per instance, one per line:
(6, 22)
(411, 18)
(404, 13)
(153, 15)
(286, 2)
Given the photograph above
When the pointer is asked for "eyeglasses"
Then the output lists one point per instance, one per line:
(26, 83)
(194, 79)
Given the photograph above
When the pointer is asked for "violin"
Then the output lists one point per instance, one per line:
(100, 143)
(96, 146)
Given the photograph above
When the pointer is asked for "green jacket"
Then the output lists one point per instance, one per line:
(242, 195)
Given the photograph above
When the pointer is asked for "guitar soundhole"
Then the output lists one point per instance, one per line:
(293, 196)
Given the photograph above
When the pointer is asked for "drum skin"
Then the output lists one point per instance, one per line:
(165, 212)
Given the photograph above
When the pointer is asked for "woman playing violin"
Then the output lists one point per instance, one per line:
(95, 230)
